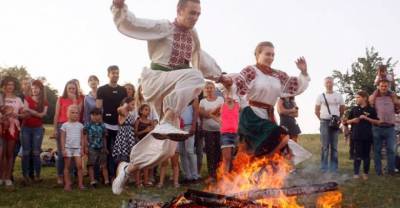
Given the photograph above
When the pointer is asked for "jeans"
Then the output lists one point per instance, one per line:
(380, 134)
(188, 157)
(329, 146)
(60, 156)
(31, 142)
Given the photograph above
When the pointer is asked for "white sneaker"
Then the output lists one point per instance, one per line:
(168, 131)
(356, 176)
(8, 182)
(119, 182)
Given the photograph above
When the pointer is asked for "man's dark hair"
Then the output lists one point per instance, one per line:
(112, 68)
(182, 3)
(142, 107)
(127, 100)
(383, 81)
(96, 111)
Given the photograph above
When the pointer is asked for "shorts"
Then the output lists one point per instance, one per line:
(96, 157)
(228, 140)
(73, 152)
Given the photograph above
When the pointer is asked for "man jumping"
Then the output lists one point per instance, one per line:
(174, 78)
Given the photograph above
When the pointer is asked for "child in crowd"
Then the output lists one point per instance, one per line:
(125, 139)
(96, 146)
(229, 128)
(361, 118)
(10, 128)
(382, 74)
(143, 125)
(72, 145)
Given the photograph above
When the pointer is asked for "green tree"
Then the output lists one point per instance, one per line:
(362, 74)
(52, 94)
(15, 71)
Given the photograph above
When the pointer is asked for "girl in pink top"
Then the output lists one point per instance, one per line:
(229, 127)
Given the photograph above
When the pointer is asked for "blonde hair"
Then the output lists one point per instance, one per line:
(72, 107)
(209, 83)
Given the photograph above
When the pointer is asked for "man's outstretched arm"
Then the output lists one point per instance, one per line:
(143, 29)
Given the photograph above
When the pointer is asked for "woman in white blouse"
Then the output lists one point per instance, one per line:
(262, 86)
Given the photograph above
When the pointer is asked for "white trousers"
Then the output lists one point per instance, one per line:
(165, 90)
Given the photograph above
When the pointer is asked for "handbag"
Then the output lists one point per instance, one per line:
(334, 122)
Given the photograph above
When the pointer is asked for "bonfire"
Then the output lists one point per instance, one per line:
(257, 182)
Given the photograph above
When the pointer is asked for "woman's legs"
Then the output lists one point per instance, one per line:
(9, 159)
(213, 152)
(37, 148)
(60, 157)
(227, 158)
(27, 147)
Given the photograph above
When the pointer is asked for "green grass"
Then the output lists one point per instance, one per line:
(375, 192)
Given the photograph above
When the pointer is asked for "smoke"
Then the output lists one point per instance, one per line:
(311, 174)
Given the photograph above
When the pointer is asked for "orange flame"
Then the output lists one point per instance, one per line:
(330, 200)
(250, 173)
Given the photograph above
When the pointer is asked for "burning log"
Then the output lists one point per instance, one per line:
(208, 199)
(290, 191)
(200, 199)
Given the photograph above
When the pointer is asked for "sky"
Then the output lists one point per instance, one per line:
(67, 39)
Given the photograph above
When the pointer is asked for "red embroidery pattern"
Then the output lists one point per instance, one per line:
(247, 75)
(182, 46)
(291, 84)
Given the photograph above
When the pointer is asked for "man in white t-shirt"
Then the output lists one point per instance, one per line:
(328, 135)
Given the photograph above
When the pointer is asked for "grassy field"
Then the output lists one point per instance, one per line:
(375, 192)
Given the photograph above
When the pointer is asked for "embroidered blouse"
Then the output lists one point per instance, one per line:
(267, 88)
(169, 45)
